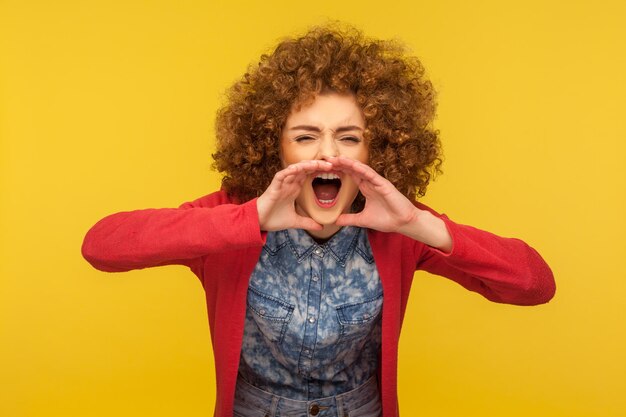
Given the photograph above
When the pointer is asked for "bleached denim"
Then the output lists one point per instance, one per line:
(364, 401)
(312, 325)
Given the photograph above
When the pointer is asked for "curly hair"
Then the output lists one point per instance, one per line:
(397, 101)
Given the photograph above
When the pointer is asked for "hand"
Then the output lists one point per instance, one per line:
(276, 206)
(388, 210)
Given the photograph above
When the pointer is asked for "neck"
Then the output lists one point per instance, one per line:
(321, 236)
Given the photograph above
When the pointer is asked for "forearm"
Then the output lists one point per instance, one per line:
(152, 237)
(505, 270)
(429, 229)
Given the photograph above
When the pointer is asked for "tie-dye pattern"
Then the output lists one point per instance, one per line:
(312, 324)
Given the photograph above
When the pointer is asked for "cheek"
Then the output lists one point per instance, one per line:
(362, 155)
(291, 155)
(358, 153)
(285, 157)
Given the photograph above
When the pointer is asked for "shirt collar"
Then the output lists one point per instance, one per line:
(339, 246)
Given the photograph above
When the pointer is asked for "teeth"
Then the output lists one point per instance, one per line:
(327, 176)
(326, 201)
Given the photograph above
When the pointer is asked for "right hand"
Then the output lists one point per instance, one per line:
(276, 206)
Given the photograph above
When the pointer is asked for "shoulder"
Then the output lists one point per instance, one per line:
(214, 199)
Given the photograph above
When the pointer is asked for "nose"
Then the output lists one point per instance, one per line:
(328, 147)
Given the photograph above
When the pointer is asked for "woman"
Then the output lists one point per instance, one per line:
(307, 253)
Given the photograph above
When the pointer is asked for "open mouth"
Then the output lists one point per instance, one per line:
(326, 187)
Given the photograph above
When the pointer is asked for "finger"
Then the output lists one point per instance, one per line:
(348, 219)
(289, 172)
(306, 167)
(358, 170)
(307, 223)
(297, 179)
(293, 176)
(312, 165)
(318, 165)
(301, 172)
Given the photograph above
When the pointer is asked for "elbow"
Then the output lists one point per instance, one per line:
(95, 254)
(89, 252)
(541, 295)
(549, 289)
(537, 281)
(539, 288)
(530, 289)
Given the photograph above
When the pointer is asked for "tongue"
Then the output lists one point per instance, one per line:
(325, 191)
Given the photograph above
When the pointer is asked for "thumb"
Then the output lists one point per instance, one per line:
(349, 219)
(307, 223)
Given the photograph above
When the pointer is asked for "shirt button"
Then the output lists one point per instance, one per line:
(315, 278)
(317, 251)
(311, 319)
(262, 311)
(306, 352)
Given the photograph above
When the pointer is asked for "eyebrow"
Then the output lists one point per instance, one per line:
(311, 128)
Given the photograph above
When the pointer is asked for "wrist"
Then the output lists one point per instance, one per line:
(441, 238)
(261, 211)
(428, 229)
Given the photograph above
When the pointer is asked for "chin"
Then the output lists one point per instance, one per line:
(325, 218)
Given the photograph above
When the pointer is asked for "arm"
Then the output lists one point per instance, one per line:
(503, 270)
(153, 237)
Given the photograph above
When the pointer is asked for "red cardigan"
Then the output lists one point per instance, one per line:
(221, 242)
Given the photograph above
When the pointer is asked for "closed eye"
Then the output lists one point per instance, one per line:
(304, 138)
(350, 139)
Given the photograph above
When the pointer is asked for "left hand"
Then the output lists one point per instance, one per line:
(388, 210)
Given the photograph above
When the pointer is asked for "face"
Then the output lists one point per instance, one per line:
(332, 125)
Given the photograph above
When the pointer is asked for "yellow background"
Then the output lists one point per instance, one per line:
(109, 105)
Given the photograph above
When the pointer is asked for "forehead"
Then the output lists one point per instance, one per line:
(327, 110)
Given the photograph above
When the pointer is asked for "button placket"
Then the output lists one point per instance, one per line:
(313, 300)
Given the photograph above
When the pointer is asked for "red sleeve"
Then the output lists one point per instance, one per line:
(152, 237)
(504, 270)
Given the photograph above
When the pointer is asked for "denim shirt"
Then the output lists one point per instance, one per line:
(312, 325)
